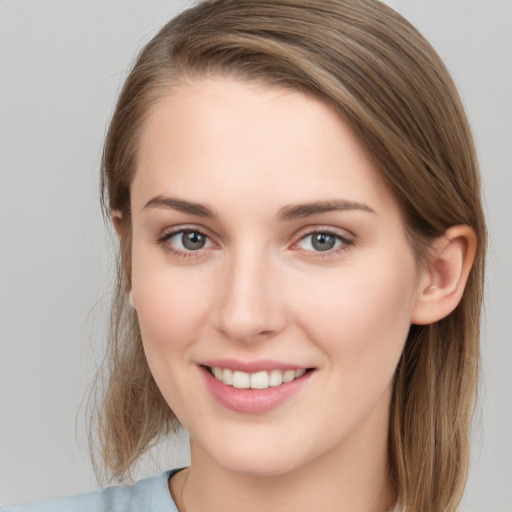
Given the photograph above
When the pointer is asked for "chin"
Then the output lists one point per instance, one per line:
(270, 466)
(249, 448)
(252, 459)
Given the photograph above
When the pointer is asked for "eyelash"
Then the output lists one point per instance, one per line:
(163, 241)
(345, 243)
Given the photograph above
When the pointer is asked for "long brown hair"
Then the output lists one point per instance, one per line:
(387, 82)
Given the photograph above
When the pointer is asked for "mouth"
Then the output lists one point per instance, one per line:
(258, 380)
(255, 387)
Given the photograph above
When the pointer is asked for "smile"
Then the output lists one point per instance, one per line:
(258, 380)
(254, 387)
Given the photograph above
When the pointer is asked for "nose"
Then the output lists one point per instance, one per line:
(250, 302)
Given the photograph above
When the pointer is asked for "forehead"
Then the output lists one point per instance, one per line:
(248, 139)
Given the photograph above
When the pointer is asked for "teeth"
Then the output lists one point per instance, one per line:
(227, 377)
(258, 380)
(288, 375)
(275, 378)
(241, 380)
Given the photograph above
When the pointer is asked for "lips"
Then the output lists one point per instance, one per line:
(254, 387)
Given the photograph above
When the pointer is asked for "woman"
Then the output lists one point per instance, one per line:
(296, 194)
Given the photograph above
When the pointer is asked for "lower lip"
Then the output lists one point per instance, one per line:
(253, 401)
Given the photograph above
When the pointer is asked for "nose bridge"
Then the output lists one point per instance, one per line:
(249, 307)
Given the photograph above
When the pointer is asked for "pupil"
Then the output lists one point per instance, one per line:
(193, 240)
(323, 241)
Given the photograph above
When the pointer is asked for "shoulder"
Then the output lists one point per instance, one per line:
(150, 494)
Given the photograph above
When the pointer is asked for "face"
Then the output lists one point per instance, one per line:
(271, 274)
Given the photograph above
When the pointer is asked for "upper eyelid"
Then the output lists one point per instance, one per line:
(171, 231)
(311, 230)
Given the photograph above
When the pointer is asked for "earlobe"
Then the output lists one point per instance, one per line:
(123, 232)
(117, 220)
(443, 282)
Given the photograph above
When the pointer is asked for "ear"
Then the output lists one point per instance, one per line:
(117, 220)
(442, 284)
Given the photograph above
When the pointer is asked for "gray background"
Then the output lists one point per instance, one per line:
(61, 66)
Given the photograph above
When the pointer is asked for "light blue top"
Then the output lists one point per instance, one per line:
(148, 495)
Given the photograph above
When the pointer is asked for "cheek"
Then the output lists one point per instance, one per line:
(171, 303)
(172, 312)
(360, 317)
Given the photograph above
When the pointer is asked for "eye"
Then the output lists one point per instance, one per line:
(186, 240)
(322, 241)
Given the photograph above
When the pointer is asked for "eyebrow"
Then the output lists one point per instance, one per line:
(300, 211)
(182, 206)
(287, 213)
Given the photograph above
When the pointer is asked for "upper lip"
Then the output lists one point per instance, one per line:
(252, 366)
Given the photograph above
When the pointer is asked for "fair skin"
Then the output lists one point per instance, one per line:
(264, 239)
